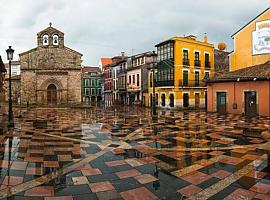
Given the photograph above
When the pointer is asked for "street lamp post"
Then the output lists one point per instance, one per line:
(10, 52)
(154, 108)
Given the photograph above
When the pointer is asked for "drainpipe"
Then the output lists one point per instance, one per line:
(233, 92)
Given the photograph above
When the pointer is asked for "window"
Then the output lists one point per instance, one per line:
(87, 91)
(197, 79)
(185, 57)
(86, 82)
(151, 79)
(138, 80)
(99, 91)
(156, 99)
(207, 62)
(197, 59)
(197, 55)
(55, 40)
(93, 91)
(185, 78)
(45, 40)
(206, 75)
(129, 78)
(93, 82)
(185, 54)
(133, 77)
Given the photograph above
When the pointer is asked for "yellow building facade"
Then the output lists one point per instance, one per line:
(183, 65)
(252, 43)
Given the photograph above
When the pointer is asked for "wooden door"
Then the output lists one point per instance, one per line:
(171, 100)
(251, 103)
(197, 100)
(52, 95)
(222, 103)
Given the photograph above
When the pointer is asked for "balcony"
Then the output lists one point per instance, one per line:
(164, 83)
(132, 87)
(197, 63)
(186, 62)
(121, 71)
(207, 65)
(191, 83)
(169, 63)
(121, 87)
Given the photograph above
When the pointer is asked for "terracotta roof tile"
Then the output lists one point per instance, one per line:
(106, 61)
(261, 71)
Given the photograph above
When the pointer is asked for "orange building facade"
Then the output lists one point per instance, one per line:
(246, 88)
(248, 96)
(252, 43)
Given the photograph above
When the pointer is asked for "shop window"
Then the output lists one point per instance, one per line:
(163, 100)
(186, 100)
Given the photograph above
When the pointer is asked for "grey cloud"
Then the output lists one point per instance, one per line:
(103, 28)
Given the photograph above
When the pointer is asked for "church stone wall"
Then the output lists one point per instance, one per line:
(74, 86)
(28, 87)
(51, 64)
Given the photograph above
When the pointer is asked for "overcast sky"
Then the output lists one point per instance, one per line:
(104, 28)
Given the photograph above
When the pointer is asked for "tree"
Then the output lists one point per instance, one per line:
(267, 40)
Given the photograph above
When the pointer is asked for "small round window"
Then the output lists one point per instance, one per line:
(45, 39)
(55, 40)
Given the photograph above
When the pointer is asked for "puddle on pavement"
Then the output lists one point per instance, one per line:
(182, 129)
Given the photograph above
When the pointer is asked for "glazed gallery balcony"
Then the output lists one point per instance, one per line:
(164, 83)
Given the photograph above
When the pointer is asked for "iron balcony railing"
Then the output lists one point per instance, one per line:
(197, 63)
(121, 71)
(185, 62)
(192, 83)
(207, 64)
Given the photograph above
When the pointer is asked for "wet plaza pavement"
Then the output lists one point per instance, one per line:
(120, 153)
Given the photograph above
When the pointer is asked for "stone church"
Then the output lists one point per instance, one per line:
(51, 72)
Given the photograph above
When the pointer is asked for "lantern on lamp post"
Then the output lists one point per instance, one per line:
(10, 53)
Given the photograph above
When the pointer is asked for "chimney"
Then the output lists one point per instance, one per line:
(123, 54)
(205, 38)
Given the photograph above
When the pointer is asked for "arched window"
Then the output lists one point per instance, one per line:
(55, 40)
(45, 39)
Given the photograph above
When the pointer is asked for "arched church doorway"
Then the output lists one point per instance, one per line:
(52, 95)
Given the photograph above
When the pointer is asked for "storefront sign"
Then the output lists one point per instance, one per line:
(261, 38)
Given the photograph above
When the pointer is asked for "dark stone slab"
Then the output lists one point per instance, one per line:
(40, 124)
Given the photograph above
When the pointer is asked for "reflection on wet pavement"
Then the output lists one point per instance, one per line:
(120, 153)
